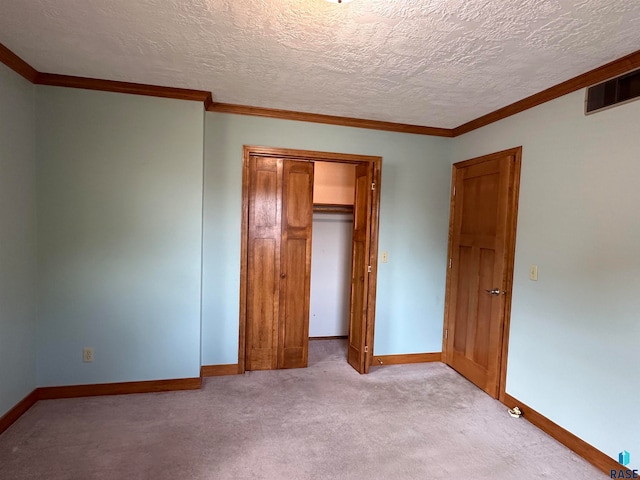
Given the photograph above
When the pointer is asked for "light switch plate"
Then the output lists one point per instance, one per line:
(533, 273)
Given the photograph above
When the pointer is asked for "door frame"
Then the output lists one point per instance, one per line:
(310, 156)
(510, 249)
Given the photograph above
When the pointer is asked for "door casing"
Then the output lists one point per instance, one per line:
(375, 164)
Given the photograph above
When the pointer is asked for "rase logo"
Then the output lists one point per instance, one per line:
(624, 458)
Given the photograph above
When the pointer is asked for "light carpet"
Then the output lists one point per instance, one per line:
(421, 421)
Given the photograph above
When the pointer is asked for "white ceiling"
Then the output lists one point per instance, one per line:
(425, 62)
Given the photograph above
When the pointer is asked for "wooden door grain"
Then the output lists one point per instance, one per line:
(481, 247)
(360, 269)
(295, 268)
(277, 214)
(263, 263)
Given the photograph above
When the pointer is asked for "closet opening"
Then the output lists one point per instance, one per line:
(308, 255)
(333, 195)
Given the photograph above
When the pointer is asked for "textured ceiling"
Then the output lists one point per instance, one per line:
(425, 62)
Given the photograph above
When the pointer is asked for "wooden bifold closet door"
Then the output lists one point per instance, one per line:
(279, 263)
(360, 270)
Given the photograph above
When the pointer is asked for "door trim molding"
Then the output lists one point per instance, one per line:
(510, 248)
(310, 156)
(512, 224)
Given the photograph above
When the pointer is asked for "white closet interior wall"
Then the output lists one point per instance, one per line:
(331, 251)
(330, 272)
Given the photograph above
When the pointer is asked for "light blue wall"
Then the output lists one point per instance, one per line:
(120, 226)
(17, 239)
(413, 227)
(573, 350)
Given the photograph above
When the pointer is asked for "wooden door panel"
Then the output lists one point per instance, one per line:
(482, 211)
(469, 369)
(265, 211)
(480, 205)
(294, 309)
(359, 269)
(356, 340)
(298, 203)
(295, 285)
(263, 329)
(361, 195)
(480, 241)
(480, 352)
(464, 298)
(263, 265)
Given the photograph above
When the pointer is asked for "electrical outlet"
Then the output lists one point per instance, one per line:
(87, 354)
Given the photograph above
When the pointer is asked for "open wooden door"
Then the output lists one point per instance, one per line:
(481, 248)
(360, 270)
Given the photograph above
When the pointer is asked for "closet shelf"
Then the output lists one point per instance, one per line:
(332, 208)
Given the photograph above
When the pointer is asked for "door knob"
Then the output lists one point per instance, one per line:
(495, 292)
(283, 275)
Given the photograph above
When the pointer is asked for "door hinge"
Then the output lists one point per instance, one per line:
(373, 185)
(454, 191)
(369, 269)
(446, 334)
(366, 349)
(449, 263)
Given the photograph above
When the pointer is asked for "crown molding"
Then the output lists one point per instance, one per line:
(592, 77)
(18, 65)
(56, 80)
(329, 119)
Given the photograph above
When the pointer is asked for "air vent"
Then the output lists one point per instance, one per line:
(622, 89)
